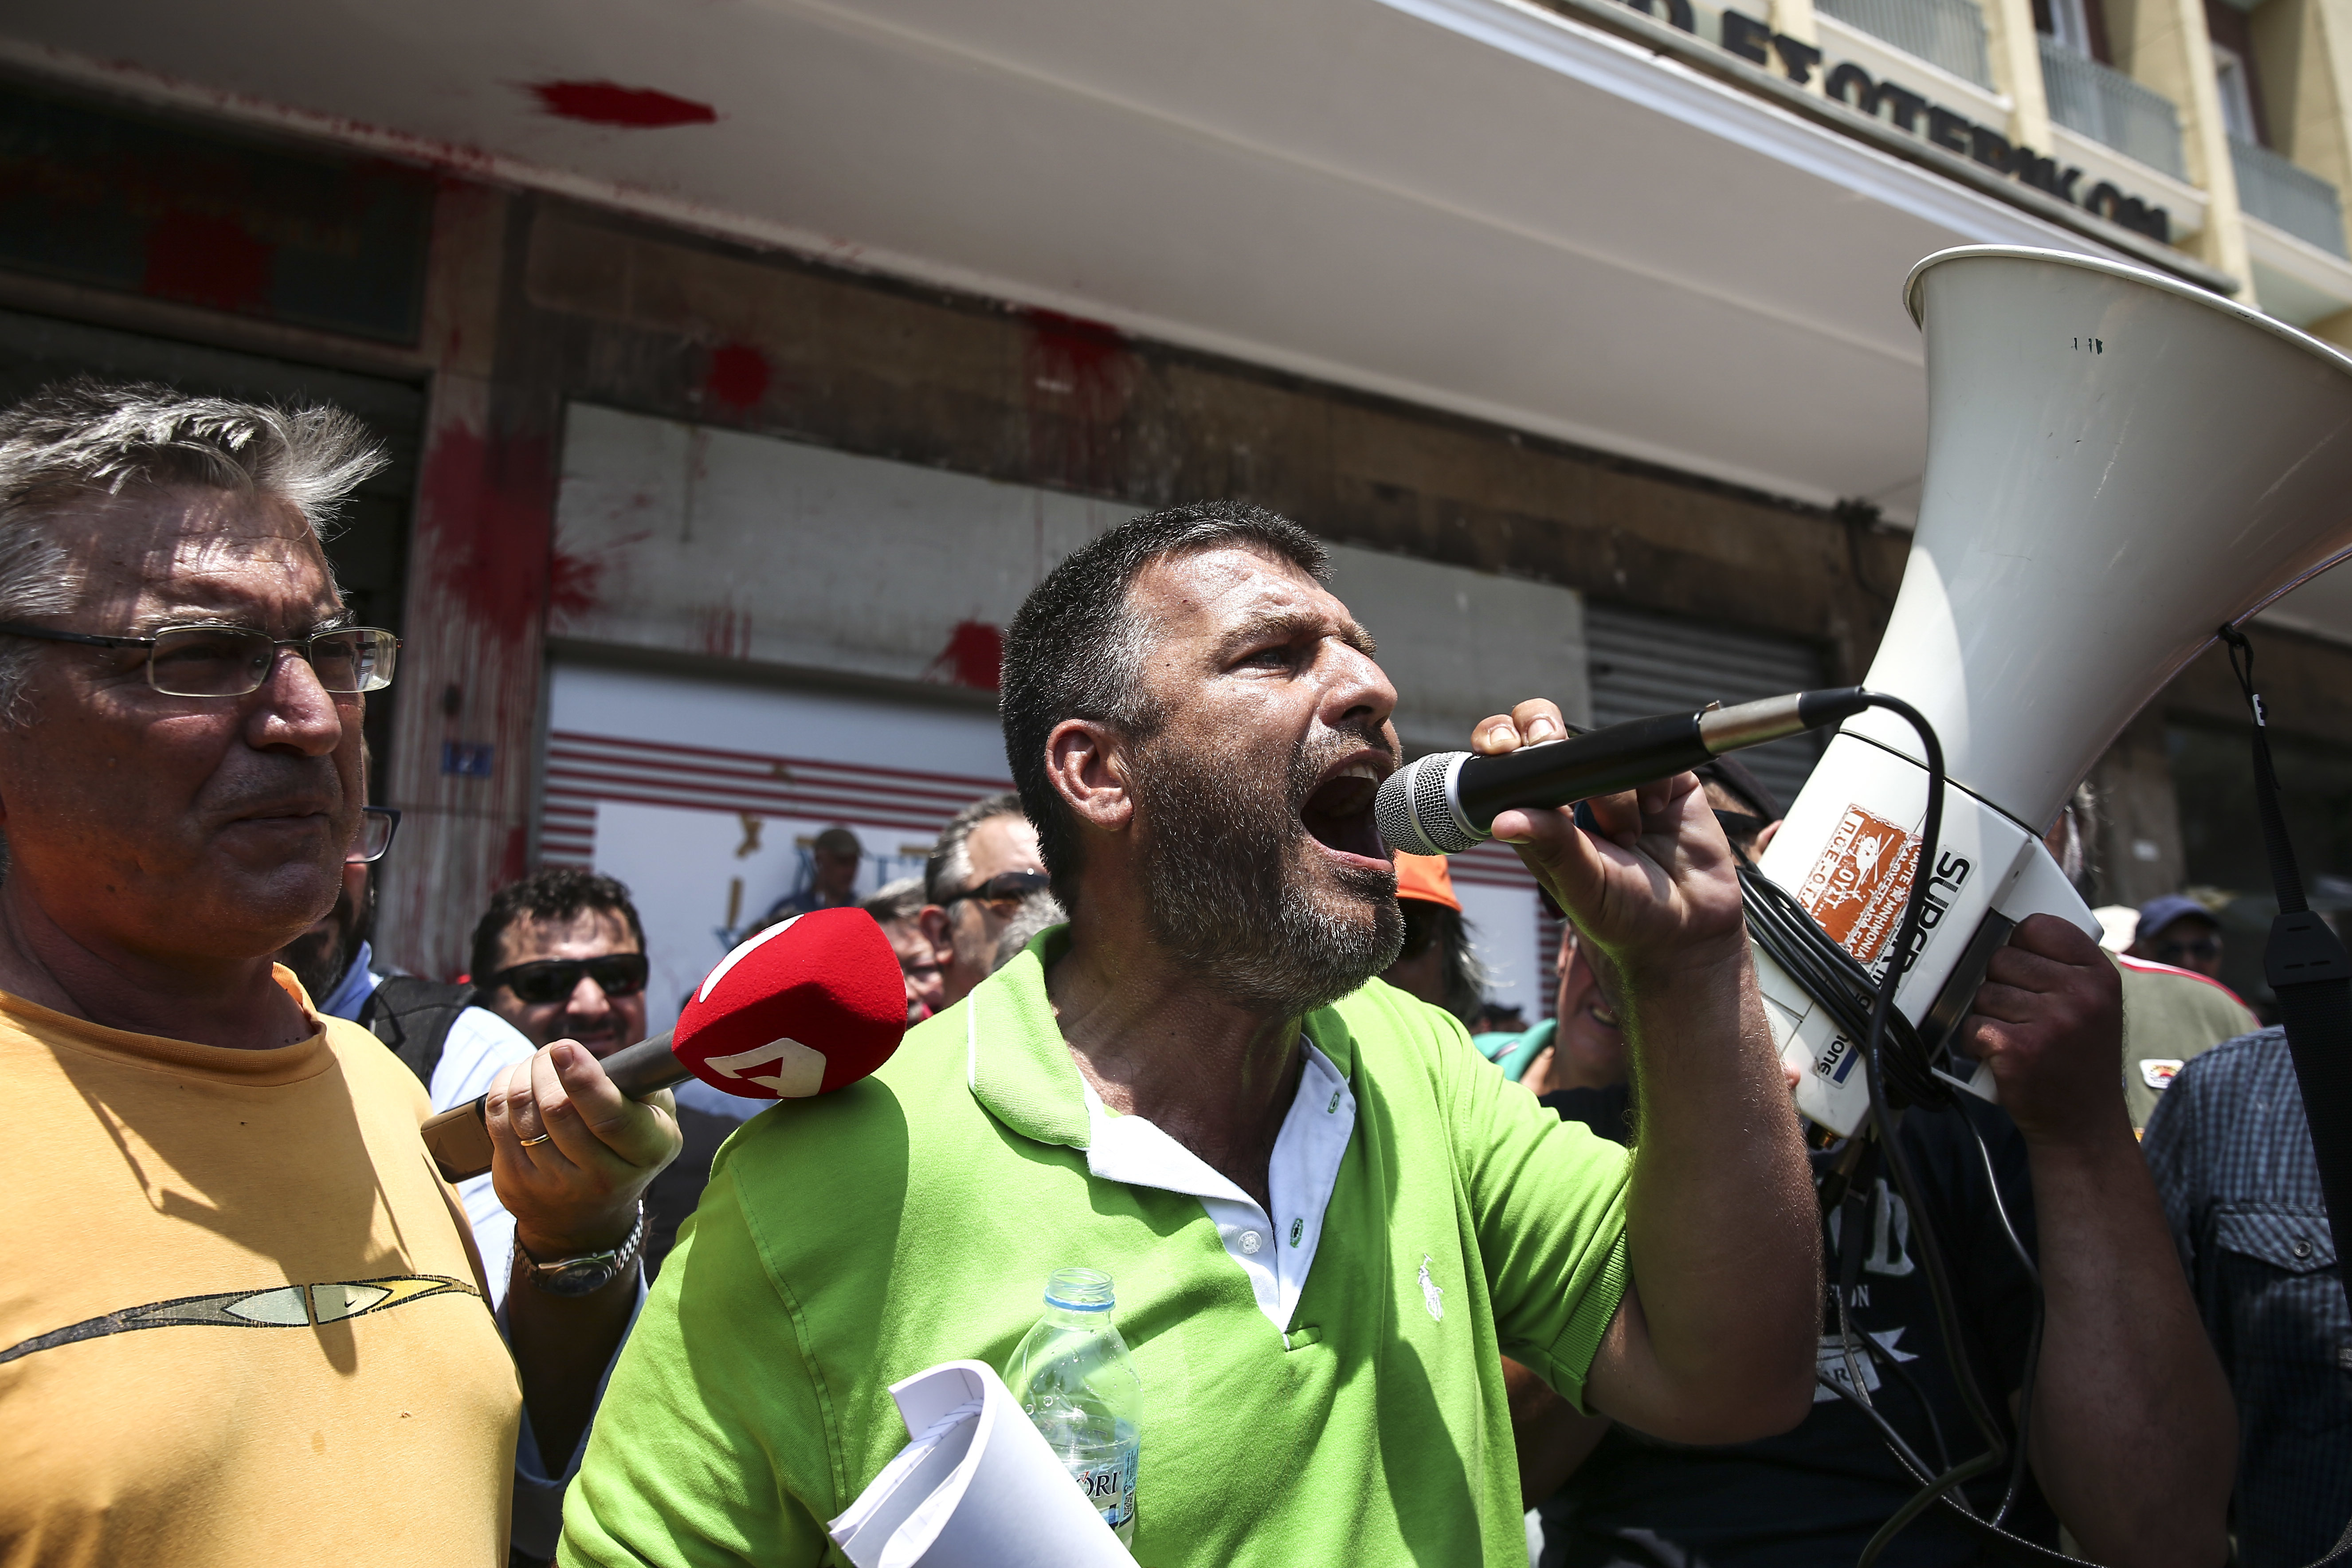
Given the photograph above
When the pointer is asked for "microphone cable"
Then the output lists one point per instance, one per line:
(1899, 1073)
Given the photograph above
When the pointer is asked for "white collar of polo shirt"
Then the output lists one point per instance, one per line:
(1275, 1251)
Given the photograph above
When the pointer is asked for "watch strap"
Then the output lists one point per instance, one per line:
(588, 1272)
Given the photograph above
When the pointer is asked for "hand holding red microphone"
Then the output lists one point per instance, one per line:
(803, 1008)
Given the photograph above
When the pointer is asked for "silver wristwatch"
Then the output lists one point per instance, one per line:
(590, 1272)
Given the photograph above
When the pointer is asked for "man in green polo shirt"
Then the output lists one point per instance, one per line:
(1328, 1218)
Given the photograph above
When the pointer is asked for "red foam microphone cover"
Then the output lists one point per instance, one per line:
(803, 1008)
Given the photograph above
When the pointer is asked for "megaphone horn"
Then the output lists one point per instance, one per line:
(2118, 465)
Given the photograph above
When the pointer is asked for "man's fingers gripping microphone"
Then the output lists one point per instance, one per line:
(806, 1007)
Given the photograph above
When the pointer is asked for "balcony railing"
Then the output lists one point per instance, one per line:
(2109, 107)
(1946, 33)
(2287, 197)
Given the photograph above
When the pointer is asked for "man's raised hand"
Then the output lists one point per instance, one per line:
(1657, 888)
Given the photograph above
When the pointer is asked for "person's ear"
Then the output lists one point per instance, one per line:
(1764, 837)
(1087, 768)
(936, 927)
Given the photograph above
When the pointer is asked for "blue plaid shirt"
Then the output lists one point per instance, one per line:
(2233, 1163)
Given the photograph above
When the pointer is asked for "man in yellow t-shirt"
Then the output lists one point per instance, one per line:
(241, 1319)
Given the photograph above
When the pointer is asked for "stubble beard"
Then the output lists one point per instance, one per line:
(1228, 894)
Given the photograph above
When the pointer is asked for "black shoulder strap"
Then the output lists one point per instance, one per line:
(2306, 968)
(413, 1015)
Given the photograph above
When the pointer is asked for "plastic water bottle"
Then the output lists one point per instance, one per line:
(1072, 1376)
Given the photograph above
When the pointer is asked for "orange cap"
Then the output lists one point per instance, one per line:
(1425, 877)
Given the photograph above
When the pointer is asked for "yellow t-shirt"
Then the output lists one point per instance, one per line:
(241, 1320)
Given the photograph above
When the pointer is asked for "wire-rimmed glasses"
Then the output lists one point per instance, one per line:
(233, 661)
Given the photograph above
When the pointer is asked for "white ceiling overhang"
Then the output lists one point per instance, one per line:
(1477, 206)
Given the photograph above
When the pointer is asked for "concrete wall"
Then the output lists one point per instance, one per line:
(565, 305)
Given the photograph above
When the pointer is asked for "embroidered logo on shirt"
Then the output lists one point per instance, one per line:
(282, 1307)
(1433, 1294)
(2158, 1071)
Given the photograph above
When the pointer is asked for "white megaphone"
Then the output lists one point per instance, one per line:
(2118, 465)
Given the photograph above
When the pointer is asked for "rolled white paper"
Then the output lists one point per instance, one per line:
(976, 1487)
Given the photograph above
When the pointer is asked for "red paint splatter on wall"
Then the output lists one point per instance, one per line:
(974, 656)
(490, 505)
(1077, 375)
(516, 860)
(610, 103)
(206, 258)
(738, 375)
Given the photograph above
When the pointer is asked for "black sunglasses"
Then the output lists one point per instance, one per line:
(1004, 888)
(555, 979)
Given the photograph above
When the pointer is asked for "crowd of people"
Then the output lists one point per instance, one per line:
(1399, 1287)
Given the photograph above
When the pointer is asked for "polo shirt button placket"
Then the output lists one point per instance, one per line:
(1251, 1242)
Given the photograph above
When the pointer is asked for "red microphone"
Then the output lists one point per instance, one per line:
(803, 1008)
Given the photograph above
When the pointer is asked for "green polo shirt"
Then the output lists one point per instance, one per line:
(847, 1242)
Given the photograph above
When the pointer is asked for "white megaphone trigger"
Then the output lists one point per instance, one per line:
(2118, 464)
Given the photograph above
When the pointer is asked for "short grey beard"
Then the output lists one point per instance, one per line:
(1217, 849)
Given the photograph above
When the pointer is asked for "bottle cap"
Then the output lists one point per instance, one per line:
(1078, 1289)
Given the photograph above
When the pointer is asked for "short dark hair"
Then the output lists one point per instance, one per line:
(1461, 977)
(1076, 651)
(550, 893)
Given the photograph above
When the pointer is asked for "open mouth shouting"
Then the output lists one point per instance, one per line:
(1337, 813)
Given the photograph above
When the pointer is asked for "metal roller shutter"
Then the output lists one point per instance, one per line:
(1643, 663)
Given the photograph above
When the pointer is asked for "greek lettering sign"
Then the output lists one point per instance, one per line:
(1849, 84)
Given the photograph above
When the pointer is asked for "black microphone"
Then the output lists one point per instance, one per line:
(1446, 801)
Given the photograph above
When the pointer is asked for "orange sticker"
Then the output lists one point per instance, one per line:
(1856, 889)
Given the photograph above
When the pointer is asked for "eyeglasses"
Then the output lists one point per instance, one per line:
(231, 661)
(555, 979)
(1004, 888)
(377, 824)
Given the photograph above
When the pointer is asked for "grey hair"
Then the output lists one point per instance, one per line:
(84, 438)
(898, 900)
(1037, 913)
(950, 859)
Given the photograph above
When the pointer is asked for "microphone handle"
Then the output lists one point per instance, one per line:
(1603, 761)
(459, 1138)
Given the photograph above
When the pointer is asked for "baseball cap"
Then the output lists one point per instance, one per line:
(1425, 877)
(2157, 913)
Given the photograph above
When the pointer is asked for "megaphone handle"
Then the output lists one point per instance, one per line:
(459, 1140)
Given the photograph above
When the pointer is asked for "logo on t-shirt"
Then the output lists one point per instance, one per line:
(1835, 1365)
(274, 1306)
(1433, 1294)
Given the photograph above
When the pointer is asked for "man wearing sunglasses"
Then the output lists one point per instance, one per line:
(985, 863)
(244, 1319)
(560, 955)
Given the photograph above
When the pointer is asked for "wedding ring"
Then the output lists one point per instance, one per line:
(535, 1143)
